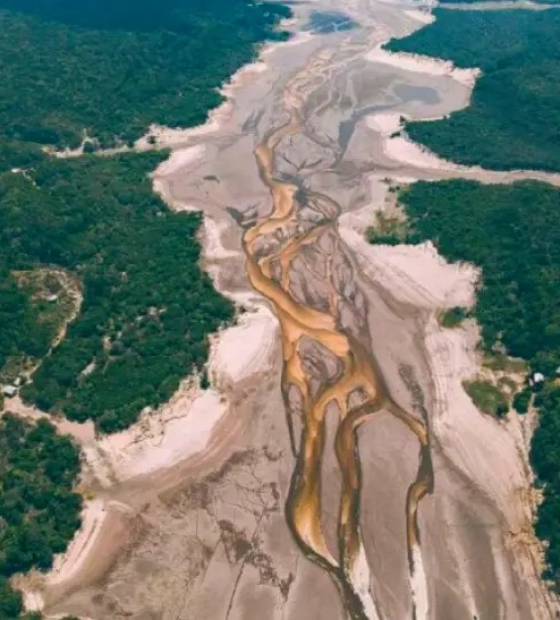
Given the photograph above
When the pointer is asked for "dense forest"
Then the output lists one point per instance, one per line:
(106, 69)
(511, 122)
(147, 306)
(98, 66)
(39, 510)
(513, 233)
(21, 331)
(545, 458)
(113, 67)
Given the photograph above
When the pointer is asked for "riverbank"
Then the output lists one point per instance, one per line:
(196, 426)
(515, 85)
(459, 206)
(116, 382)
(223, 521)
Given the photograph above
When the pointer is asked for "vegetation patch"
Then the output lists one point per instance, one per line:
(522, 400)
(513, 233)
(55, 299)
(101, 291)
(545, 459)
(39, 509)
(111, 68)
(454, 317)
(107, 70)
(387, 230)
(444, 2)
(23, 334)
(487, 397)
(502, 362)
(147, 306)
(511, 120)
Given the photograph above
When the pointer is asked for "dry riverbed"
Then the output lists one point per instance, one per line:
(336, 469)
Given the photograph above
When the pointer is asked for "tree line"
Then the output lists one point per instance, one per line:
(111, 68)
(148, 307)
(39, 508)
(512, 232)
(511, 120)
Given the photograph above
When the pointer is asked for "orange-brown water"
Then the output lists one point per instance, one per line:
(359, 371)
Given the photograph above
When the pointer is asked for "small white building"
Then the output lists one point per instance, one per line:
(536, 378)
(9, 391)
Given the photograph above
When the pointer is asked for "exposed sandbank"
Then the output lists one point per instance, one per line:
(423, 64)
(397, 147)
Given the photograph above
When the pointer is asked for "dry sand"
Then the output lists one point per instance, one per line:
(490, 453)
(423, 64)
(414, 274)
(185, 426)
(160, 439)
(420, 276)
(68, 564)
(397, 147)
(424, 17)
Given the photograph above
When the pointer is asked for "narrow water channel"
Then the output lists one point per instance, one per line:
(303, 228)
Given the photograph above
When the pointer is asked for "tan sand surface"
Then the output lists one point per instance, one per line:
(423, 64)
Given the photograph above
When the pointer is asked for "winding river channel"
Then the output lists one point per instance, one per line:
(302, 228)
(393, 487)
(349, 477)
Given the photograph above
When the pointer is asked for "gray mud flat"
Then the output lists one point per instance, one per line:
(318, 507)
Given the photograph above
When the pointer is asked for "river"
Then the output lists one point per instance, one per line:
(359, 481)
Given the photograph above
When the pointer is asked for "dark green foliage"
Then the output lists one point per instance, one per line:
(511, 122)
(113, 69)
(19, 155)
(487, 398)
(522, 401)
(11, 601)
(444, 2)
(109, 68)
(513, 233)
(39, 511)
(204, 380)
(147, 305)
(454, 317)
(179, 16)
(545, 458)
(20, 332)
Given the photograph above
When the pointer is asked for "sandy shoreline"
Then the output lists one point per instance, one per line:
(423, 64)
(398, 147)
(492, 453)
